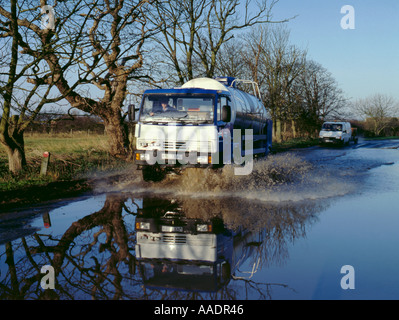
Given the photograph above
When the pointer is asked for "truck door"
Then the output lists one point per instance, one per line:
(223, 101)
(224, 130)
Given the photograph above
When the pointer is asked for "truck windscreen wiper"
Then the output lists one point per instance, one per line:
(178, 118)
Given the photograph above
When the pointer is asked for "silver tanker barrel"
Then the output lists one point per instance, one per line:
(247, 110)
(250, 113)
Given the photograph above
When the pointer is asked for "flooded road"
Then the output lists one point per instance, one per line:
(284, 232)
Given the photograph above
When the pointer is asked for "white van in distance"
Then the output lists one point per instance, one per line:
(338, 132)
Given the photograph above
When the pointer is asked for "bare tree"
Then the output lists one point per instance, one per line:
(278, 64)
(11, 142)
(379, 108)
(20, 104)
(320, 97)
(231, 62)
(92, 51)
(194, 31)
(299, 93)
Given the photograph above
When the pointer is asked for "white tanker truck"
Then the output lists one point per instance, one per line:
(191, 254)
(204, 123)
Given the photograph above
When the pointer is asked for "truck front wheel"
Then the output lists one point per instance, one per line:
(153, 173)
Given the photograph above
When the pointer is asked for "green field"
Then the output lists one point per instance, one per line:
(72, 157)
(294, 143)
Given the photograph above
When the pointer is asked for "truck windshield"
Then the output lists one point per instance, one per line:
(178, 108)
(332, 127)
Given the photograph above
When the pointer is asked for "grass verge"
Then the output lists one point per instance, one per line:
(74, 161)
(382, 138)
(294, 144)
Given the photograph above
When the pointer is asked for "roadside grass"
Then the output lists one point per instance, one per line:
(382, 138)
(72, 157)
(294, 143)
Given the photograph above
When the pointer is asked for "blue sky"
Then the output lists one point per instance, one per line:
(364, 60)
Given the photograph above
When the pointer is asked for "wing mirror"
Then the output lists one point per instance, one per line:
(226, 114)
(132, 112)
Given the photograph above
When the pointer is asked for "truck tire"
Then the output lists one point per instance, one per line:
(153, 173)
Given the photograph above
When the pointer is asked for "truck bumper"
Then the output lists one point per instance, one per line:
(330, 141)
(174, 159)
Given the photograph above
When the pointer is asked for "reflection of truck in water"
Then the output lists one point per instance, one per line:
(194, 126)
(337, 132)
(176, 252)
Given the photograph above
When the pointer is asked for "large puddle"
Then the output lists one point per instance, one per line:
(285, 233)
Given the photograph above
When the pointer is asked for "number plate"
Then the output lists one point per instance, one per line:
(172, 229)
(172, 156)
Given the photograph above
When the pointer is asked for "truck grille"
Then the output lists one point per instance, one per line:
(171, 145)
(174, 238)
(203, 146)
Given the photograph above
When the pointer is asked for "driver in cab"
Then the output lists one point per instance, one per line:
(164, 107)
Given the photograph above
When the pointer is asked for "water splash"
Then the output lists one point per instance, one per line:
(267, 173)
(278, 178)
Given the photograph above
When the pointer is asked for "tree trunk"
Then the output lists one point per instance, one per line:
(15, 151)
(117, 134)
(278, 131)
(284, 135)
(293, 129)
(16, 160)
(13, 142)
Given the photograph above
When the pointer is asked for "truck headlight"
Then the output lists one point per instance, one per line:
(204, 159)
(204, 228)
(142, 156)
(142, 225)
